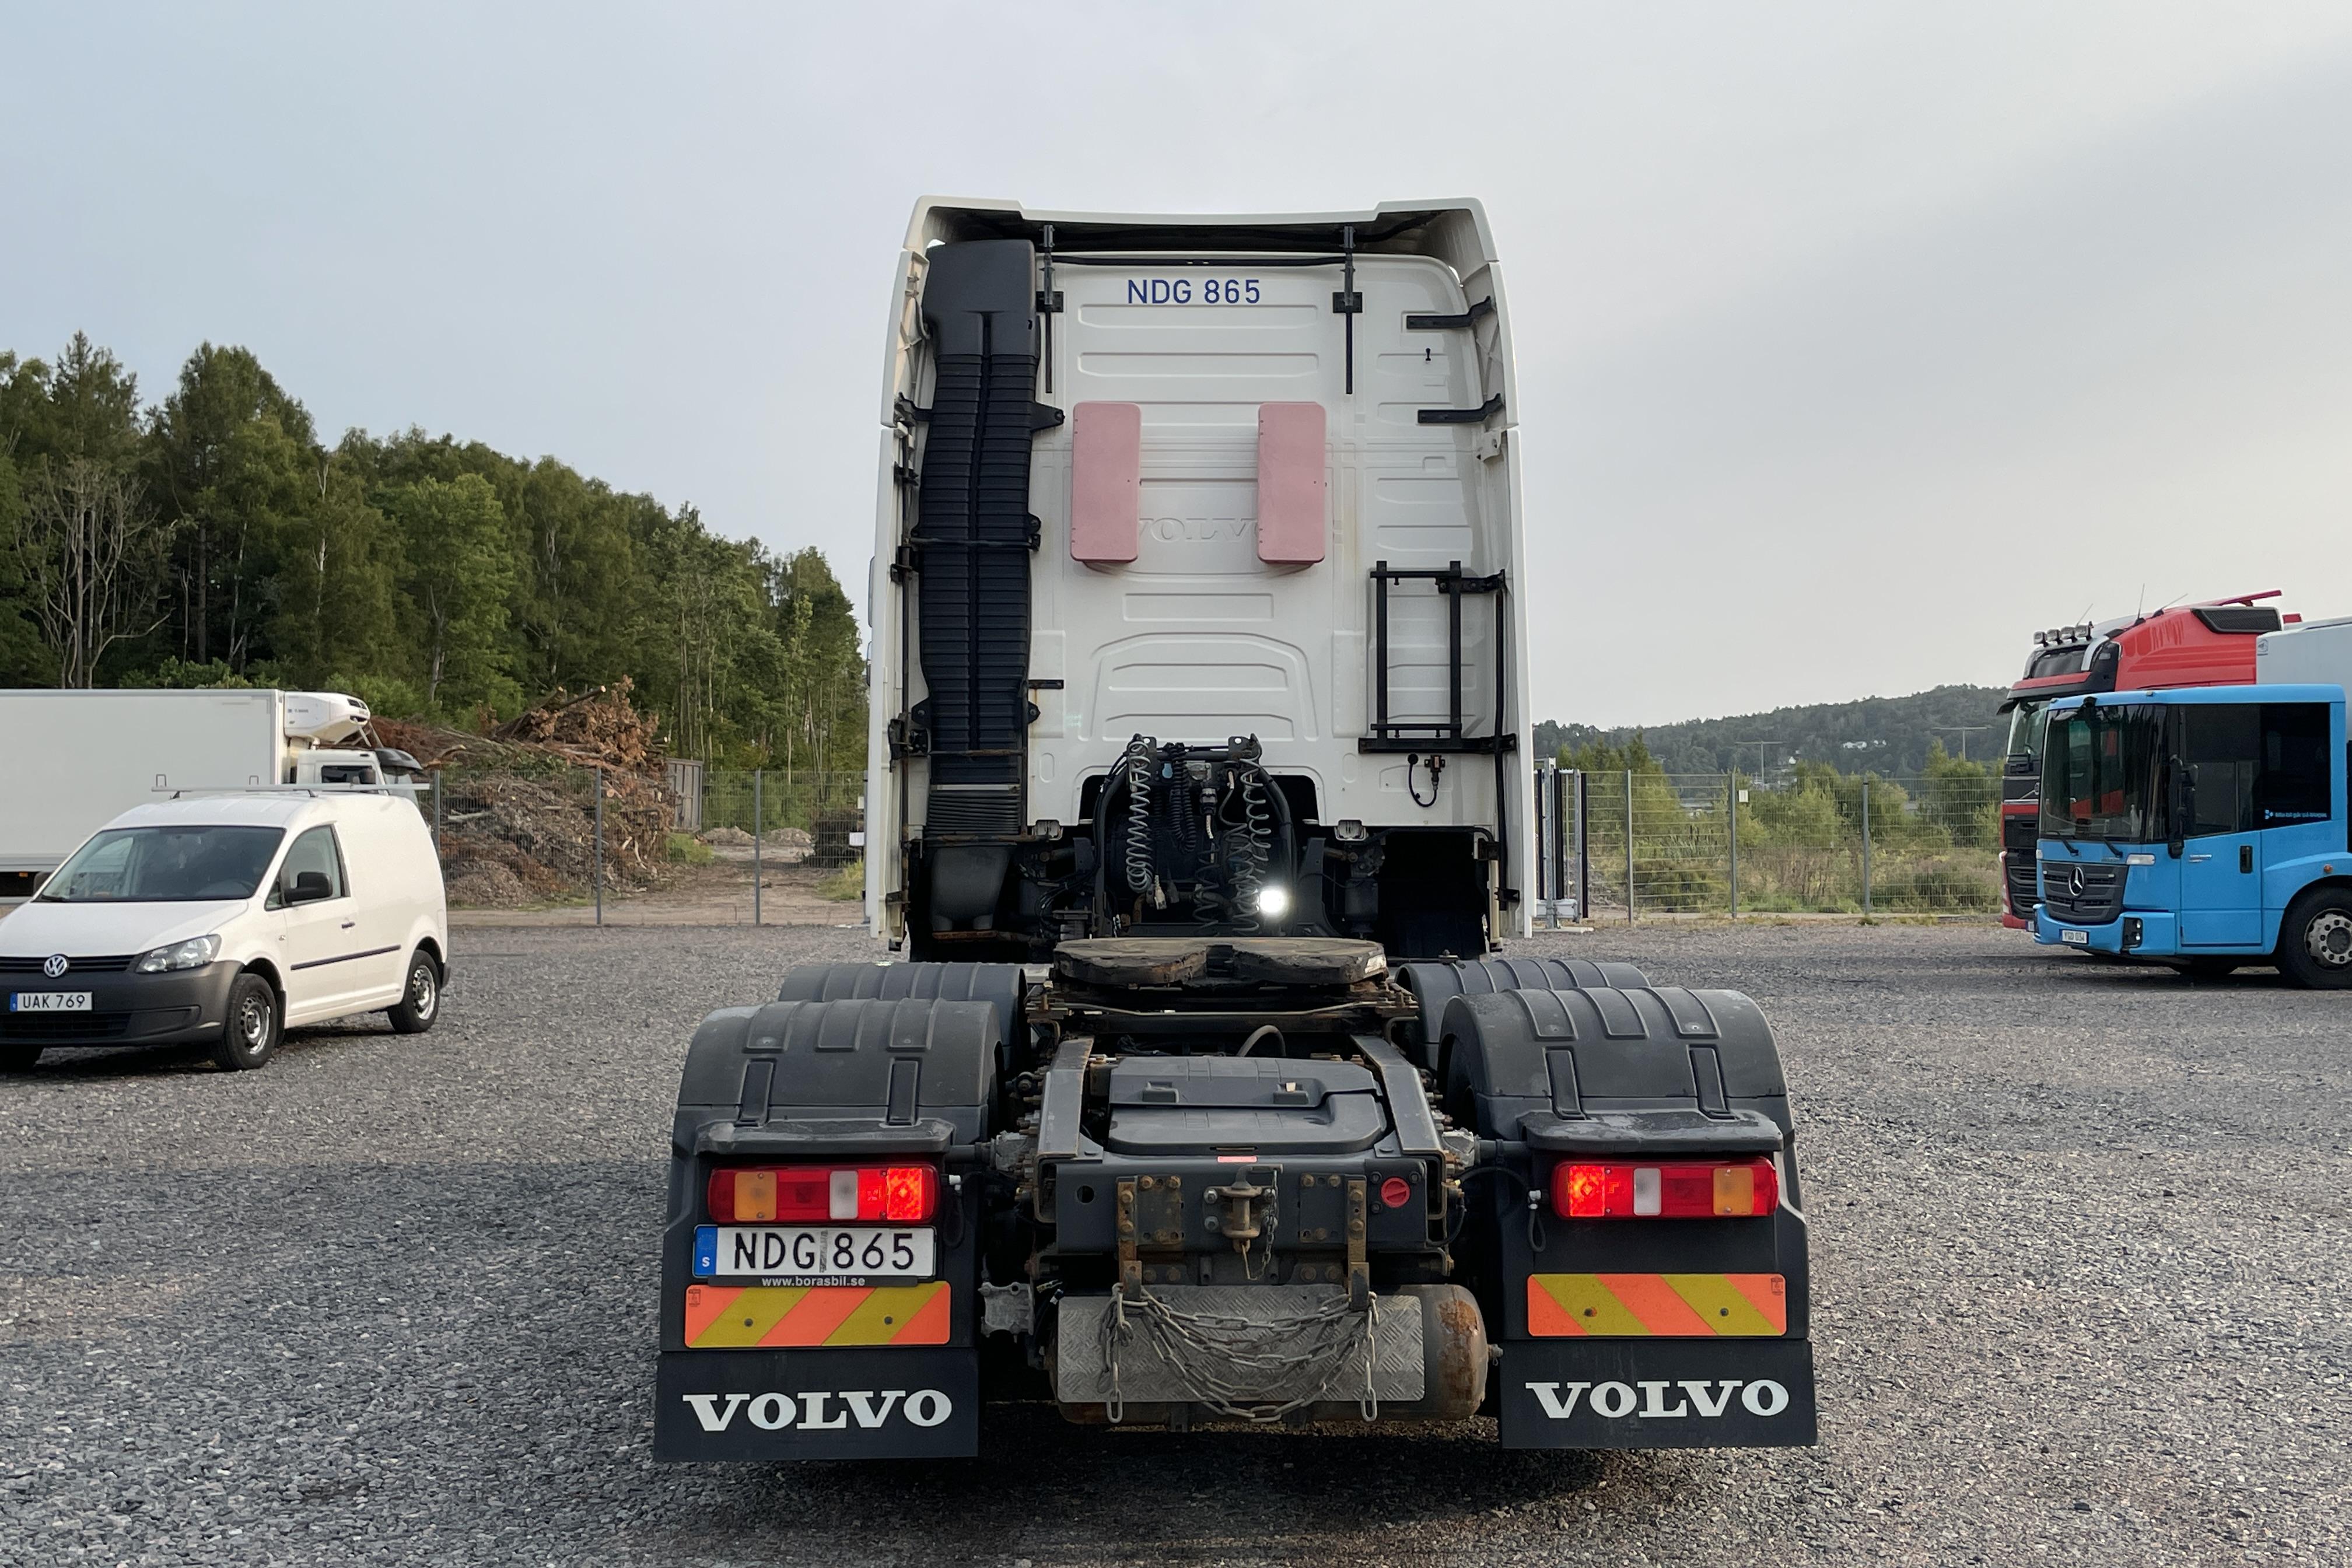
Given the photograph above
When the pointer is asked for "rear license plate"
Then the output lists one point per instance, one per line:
(50, 1002)
(2079, 938)
(816, 1252)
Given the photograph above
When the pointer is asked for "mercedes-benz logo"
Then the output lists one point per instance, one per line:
(53, 965)
(2074, 881)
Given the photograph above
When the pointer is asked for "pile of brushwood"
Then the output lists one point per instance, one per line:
(518, 806)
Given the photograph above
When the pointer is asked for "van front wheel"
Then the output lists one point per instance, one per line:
(2316, 940)
(250, 1038)
(420, 996)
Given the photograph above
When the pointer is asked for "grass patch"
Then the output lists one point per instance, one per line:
(845, 884)
(686, 849)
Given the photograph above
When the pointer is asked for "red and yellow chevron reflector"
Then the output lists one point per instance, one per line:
(731, 1317)
(1690, 1306)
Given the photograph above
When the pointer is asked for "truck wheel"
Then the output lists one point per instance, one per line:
(420, 996)
(2314, 946)
(250, 1035)
(17, 1058)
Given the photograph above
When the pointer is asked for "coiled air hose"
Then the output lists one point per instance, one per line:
(1254, 846)
(1137, 764)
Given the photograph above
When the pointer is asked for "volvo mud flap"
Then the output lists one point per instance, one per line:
(820, 1270)
(1657, 1394)
(1653, 1275)
(763, 1405)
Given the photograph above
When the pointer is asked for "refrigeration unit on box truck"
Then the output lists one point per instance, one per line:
(1197, 807)
(75, 760)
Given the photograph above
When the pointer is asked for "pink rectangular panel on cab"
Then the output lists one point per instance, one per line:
(1106, 479)
(1290, 483)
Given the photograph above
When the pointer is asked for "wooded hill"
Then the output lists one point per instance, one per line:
(1887, 735)
(216, 538)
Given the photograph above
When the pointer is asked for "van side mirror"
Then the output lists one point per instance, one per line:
(309, 887)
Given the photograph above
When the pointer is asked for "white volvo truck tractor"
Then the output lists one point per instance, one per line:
(1198, 808)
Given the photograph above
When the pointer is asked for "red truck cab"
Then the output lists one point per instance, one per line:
(2210, 644)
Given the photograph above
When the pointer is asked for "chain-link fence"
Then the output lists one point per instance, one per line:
(685, 844)
(1630, 845)
(708, 845)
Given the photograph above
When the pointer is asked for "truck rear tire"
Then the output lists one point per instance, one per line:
(420, 996)
(250, 1034)
(2314, 947)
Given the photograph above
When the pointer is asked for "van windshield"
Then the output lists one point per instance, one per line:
(165, 866)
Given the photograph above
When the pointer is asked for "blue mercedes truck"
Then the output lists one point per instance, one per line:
(2205, 828)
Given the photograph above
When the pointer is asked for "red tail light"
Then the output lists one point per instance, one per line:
(909, 1192)
(1680, 1189)
(816, 1193)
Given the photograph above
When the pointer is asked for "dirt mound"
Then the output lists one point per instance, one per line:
(783, 845)
(486, 885)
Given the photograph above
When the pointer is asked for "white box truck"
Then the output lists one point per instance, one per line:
(76, 760)
(2317, 653)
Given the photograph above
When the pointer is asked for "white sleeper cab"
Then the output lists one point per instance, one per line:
(1195, 584)
(224, 919)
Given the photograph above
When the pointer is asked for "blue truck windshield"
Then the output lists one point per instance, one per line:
(2099, 772)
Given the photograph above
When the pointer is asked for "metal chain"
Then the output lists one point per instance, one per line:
(1192, 1344)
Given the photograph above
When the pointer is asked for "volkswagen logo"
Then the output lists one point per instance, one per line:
(2074, 881)
(53, 965)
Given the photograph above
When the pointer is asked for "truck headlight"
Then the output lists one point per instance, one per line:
(192, 953)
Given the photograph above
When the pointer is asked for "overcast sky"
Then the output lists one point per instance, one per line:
(1855, 341)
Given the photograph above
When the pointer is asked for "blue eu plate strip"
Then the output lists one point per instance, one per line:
(705, 1251)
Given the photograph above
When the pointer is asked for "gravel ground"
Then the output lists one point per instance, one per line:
(2080, 1262)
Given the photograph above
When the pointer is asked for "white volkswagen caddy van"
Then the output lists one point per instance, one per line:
(224, 919)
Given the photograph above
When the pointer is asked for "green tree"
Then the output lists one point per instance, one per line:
(1962, 798)
(421, 571)
(709, 650)
(23, 660)
(334, 594)
(578, 565)
(821, 700)
(82, 537)
(90, 554)
(228, 460)
(23, 399)
(84, 404)
(455, 575)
